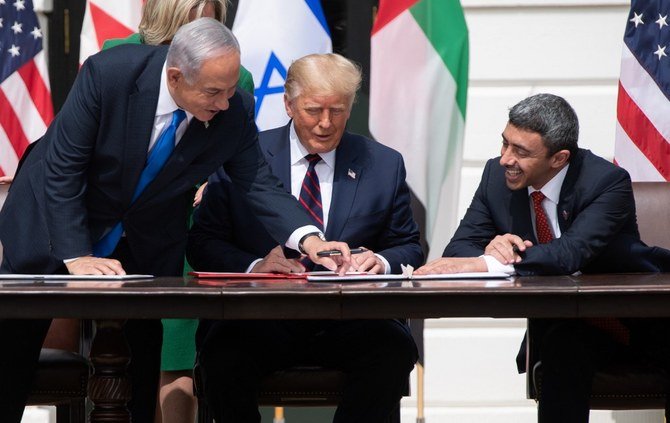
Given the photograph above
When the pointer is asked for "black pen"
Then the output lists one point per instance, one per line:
(328, 253)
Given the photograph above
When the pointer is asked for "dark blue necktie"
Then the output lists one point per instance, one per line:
(156, 159)
(310, 192)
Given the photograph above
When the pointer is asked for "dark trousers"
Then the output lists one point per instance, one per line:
(20, 353)
(376, 355)
(572, 350)
(22, 342)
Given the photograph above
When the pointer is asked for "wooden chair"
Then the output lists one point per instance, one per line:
(294, 387)
(63, 371)
(627, 385)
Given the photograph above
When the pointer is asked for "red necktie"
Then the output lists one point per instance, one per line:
(310, 198)
(610, 325)
(542, 228)
(310, 192)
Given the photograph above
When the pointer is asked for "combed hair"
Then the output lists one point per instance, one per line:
(325, 74)
(198, 41)
(550, 116)
(162, 18)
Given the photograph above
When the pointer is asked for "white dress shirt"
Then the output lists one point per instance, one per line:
(325, 171)
(164, 109)
(552, 193)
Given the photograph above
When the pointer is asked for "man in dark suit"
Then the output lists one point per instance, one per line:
(364, 200)
(106, 191)
(547, 207)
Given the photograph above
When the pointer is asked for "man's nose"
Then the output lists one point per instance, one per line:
(222, 103)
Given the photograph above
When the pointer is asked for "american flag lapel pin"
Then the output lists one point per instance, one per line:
(351, 174)
(565, 215)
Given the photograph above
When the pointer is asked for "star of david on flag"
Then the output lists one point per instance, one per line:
(272, 34)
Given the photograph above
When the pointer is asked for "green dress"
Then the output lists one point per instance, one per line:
(179, 334)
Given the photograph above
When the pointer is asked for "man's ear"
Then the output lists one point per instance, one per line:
(174, 76)
(287, 106)
(560, 158)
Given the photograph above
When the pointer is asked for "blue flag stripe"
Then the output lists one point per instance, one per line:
(315, 7)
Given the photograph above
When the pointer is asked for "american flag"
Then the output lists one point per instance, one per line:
(643, 107)
(25, 96)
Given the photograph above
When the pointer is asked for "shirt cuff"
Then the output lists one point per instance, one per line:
(251, 266)
(494, 265)
(387, 266)
(297, 235)
(70, 260)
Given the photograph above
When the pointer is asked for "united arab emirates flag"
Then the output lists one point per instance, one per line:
(418, 92)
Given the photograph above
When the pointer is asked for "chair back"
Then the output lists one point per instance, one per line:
(652, 203)
(627, 385)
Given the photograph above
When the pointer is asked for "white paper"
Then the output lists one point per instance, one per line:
(374, 277)
(72, 277)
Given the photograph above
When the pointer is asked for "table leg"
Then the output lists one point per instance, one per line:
(109, 387)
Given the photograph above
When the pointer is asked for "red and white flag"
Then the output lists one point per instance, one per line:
(105, 19)
(643, 106)
(25, 95)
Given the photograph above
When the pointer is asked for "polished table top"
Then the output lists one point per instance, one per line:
(642, 295)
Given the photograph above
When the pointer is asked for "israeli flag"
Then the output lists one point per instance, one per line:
(272, 34)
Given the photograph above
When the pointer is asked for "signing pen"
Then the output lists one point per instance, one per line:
(329, 253)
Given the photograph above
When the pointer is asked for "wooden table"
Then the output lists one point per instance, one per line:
(110, 303)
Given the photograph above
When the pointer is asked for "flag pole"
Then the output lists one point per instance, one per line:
(419, 394)
(279, 415)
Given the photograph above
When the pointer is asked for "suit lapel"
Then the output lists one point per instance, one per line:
(278, 155)
(520, 212)
(139, 124)
(348, 172)
(566, 202)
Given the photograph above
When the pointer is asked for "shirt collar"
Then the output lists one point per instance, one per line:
(166, 103)
(298, 151)
(552, 189)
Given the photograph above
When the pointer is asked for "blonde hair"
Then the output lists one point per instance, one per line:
(162, 18)
(323, 74)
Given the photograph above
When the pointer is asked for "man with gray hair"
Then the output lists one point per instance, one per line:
(108, 188)
(355, 190)
(547, 207)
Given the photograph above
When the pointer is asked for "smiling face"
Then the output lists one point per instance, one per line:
(319, 120)
(211, 89)
(526, 159)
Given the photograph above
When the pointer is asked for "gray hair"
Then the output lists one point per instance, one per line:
(550, 116)
(198, 41)
(323, 74)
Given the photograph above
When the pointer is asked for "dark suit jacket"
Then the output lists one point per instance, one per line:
(596, 214)
(79, 179)
(371, 210)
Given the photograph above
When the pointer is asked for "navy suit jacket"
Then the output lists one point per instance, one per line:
(596, 214)
(371, 209)
(79, 180)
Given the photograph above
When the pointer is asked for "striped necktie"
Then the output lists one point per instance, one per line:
(158, 156)
(310, 192)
